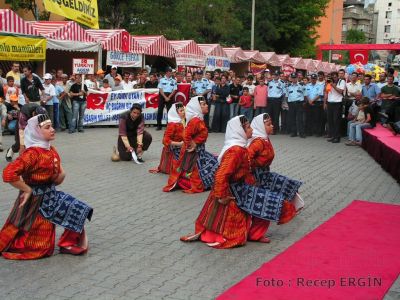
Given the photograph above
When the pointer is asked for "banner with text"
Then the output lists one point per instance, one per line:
(124, 59)
(81, 11)
(20, 48)
(83, 66)
(105, 108)
(217, 62)
(187, 59)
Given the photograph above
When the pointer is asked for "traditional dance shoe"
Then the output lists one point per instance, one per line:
(74, 250)
(190, 237)
(264, 240)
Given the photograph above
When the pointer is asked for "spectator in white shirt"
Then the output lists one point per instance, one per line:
(126, 84)
(47, 95)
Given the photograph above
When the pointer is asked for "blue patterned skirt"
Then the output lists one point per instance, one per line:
(266, 200)
(207, 165)
(61, 208)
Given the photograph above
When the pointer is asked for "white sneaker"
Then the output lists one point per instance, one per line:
(9, 154)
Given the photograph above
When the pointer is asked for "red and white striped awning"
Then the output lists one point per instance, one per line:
(61, 30)
(285, 59)
(333, 67)
(213, 50)
(326, 68)
(255, 56)
(271, 58)
(156, 45)
(188, 53)
(310, 66)
(298, 63)
(317, 65)
(115, 40)
(11, 22)
(236, 55)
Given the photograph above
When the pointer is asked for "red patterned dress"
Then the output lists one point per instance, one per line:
(226, 226)
(261, 154)
(190, 182)
(26, 234)
(173, 133)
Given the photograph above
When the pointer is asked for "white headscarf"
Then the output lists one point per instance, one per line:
(258, 128)
(173, 116)
(32, 135)
(234, 136)
(193, 109)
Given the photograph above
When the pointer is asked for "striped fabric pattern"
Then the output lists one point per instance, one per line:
(255, 56)
(112, 39)
(61, 30)
(187, 46)
(213, 50)
(156, 45)
(285, 59)
(236, 55)
(11, 22)
(298, 63)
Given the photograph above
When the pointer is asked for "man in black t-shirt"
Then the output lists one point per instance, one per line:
(78, 97)
(235, 90)
(31, 86)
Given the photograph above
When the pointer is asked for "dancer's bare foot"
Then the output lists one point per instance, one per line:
(264, 240)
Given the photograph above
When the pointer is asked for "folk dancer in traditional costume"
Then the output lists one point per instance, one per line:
(133, 140)
(281, 201)
(173, 139)
(29, 232)
(194, 172)
(221, 223)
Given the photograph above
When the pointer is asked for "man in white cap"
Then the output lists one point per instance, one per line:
(47, 96)
(111, 76)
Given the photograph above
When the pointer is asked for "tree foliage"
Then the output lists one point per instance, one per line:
(354, 36)
(29, 5)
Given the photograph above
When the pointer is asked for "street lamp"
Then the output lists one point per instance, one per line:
(334, 10)
(253, 13)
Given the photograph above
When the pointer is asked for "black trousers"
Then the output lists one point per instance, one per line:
(221, 117)
(284, 121)
(147, 139)
(161, 104)
(296, 117)
(317, 114)
(308, 118)
(334, 116)
(274, 110)
(16, 145)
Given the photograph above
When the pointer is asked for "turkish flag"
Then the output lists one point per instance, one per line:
(151, 100)
(96, 101)
(358, 56)
(183, 93)
(125, 41)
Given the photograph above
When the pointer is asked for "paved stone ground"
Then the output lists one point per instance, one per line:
(135, 252)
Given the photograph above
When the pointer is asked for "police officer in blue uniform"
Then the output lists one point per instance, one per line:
(200, 86)
(167, 86)
(315, 99)
(276, 92)
(296, 95)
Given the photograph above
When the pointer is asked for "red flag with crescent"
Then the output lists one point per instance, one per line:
(151, 100)
(183, 93)
(96, 101)
(358, 56)
(125, 41)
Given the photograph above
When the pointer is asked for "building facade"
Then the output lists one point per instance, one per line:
(387, 21)
(357, 16)
(329, 31)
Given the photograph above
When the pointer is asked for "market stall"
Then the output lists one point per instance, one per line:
(216, 57)
(189, 55)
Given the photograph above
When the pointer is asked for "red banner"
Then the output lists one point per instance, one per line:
(183, 93)
(96, 101)
(286, 69)
(257, 68)
(358, 56)
(125, 41)
(151, 99)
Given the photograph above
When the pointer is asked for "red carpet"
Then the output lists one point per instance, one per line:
(380, 143)
(354, 255)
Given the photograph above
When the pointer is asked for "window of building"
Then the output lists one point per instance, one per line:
(344, 27)
(387, 29)
(388, 15)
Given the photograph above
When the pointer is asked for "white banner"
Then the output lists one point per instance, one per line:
(83, 66)
(124, 59)
(105, 108)
(187, 59)
(217, 62)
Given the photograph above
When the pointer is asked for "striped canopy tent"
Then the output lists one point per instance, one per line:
(188, 53)
(255, 56)
(310, 66)
(326, 68)
(155, 45)
(271, 58)
(317, 65)
(216, 57)
(333, 67)
(285, 59)
(12, 23)
(298, 63)
(115, 40)
(236, 55)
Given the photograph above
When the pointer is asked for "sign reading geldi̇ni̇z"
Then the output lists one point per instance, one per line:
(21, 48)
(81, 11)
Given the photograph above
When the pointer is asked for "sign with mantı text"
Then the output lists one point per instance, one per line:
(124, 59)
(83, 66)
(81, 11)
(21, 48)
